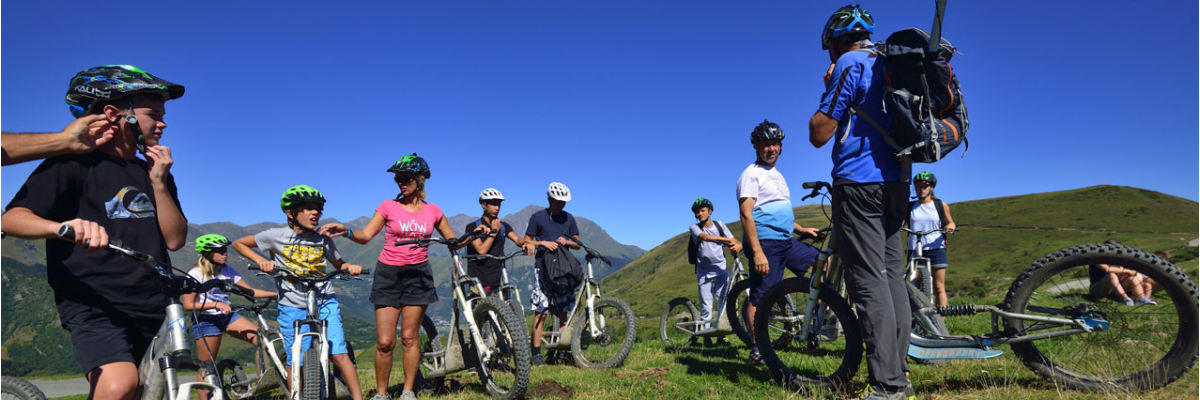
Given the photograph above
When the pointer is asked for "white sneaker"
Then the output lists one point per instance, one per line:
(408, 395)
(1144, 301)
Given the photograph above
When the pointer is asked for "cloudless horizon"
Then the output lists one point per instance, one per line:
(639, 107)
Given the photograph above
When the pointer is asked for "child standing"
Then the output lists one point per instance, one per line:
(302, 250)
(710, 238)
(215, 314)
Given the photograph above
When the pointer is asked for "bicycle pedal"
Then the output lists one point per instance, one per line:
(951, 353)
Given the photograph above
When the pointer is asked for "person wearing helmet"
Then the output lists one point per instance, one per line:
(870, 191)
(81, 136)
(110, 305)
(488, 271)
(548, 230)
(214, 315)
(710, 237)
(929, 213)
(403, 286)
(765, 210)
(303, 249)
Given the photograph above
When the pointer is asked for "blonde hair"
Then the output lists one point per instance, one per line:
(208, 268)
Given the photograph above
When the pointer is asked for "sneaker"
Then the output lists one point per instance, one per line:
(910, 393)
(872, 392)
(408, 395)
(379, 396)
(1129, 302)
(1144, 301)
(564, 357)
(537, 359)
(755, 357)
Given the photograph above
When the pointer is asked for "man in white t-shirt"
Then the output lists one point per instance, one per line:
(765, 209)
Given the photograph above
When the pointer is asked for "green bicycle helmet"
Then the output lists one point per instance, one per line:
(411, 164)
(925, 176)
(300, 194)
(701, 203)
(211, 242)
(108, 82)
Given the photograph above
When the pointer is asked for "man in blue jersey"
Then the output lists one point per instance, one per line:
(765, 209)
(869, 197)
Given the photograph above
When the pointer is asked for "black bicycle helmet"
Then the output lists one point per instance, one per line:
(110, 82)
(848, 19)
(701, 203)
(765, 131)
(411, 164)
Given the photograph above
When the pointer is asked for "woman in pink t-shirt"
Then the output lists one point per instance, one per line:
(403, 278)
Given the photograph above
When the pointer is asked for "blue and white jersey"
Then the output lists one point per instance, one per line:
(772, 213)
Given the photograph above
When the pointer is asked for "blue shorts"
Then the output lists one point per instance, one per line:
(792, 254)
(330, 312)
(937, 257)
(209, 325)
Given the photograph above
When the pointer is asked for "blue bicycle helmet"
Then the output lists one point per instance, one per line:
(848, 19)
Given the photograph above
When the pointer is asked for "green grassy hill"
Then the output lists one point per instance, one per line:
(998, 238)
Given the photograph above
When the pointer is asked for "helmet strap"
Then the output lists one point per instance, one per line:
(131, 121)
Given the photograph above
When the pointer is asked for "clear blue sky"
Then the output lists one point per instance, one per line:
(638, 106)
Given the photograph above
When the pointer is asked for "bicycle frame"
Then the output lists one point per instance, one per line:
(718, 326)
(270, 369)
(450, 358)
(588, 293)
(171, 350)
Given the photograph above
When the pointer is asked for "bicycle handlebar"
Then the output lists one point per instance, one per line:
(591, 253)
(939, 230)
(453, 242)
(816, 187)
(491, 257)
(184, 284)
(285, 273)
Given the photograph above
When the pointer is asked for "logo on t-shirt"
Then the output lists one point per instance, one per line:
(130, 202)
(412, 228)
(304, 260)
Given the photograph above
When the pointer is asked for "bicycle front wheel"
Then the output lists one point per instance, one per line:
(736, 304)
(514, 302)
(19, 389)
(826, 361)
(234, 380)
(313, 387)
(506, 373)
(608, 347)
(673, 335)
(1141, 347)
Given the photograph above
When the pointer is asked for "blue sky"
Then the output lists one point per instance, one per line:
(639, 107)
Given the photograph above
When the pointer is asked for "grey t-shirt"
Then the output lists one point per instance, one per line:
(710, 259)
(301, 254)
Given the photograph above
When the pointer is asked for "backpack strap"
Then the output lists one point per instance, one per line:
(720, 228)
(940, 211)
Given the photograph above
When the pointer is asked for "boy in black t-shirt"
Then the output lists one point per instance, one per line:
(488, 271)
(548, 229)
(111, 306)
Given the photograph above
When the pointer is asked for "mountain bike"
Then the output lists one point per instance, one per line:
(494, 345)
(599, 331)
(680, 325)
(314, 377)
(508, 293)
(18, 389)
(268, 365)
(1050, 317)
(171, 348)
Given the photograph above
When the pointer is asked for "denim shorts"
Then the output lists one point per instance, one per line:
(937, 257)
(208, 325)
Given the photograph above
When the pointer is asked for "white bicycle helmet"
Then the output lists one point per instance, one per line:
(559, 192)
(490, 194)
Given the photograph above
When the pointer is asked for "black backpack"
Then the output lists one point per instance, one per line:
(924, 98)
(694, 246)
(560, 273)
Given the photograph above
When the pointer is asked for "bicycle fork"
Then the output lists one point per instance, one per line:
(178, 355)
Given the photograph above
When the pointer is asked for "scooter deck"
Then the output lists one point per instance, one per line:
(951, 353)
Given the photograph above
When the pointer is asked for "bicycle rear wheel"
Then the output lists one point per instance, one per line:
(678, 310)
(506, 374)
(618, 330)
(1141, 347)
(18, 389)
(826, 362)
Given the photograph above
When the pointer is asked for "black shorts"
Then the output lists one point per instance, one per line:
(407, 285)
(100, 339)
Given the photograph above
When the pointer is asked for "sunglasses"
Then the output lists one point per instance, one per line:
(404, 179)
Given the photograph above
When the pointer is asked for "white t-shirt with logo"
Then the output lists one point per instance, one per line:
(215, 295)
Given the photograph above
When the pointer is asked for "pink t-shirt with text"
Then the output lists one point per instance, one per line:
(399, 224)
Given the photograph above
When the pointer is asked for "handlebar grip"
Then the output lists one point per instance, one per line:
(253, 267)
(408, 241)
(810, 185)
(365, 271)
(66, 232)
